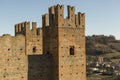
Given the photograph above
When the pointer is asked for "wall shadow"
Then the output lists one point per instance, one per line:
(39, 67)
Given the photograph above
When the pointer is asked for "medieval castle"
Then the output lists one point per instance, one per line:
(54, 52)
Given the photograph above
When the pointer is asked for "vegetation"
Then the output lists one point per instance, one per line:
(99, 77)
(115, 55)
(100, 44)
(105, 46)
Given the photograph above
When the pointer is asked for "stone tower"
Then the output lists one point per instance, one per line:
(64, 39)
(54, 52)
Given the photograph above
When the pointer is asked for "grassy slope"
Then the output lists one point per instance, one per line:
(111, 55)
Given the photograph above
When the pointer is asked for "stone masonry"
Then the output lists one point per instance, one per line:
(54, 52)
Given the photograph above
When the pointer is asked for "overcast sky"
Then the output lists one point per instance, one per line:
(102, 16)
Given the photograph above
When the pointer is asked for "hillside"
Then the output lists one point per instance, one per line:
(101, 44)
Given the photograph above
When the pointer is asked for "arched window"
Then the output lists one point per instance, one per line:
(34, 49)
(71, 50)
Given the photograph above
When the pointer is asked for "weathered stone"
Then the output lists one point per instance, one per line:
(54, 52)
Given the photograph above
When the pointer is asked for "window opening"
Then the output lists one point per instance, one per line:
(72, 50)
(34, 49)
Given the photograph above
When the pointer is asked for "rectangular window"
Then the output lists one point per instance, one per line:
(34, 49)
(71, 50)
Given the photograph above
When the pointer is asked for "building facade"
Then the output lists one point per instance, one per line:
(54, 52)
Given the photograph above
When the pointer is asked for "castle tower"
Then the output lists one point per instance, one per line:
(54, 52)
(65, 41)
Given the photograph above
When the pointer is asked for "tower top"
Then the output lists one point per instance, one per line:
(55, 17)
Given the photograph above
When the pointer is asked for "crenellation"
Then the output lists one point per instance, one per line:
(81, 19)
(39, 31)
(34, 30)
(51, 15)
(50, 52)
(45, 20)
(16, 29)
(59, 15)
(76, 19)
(61, 7)
(19, 28)
(22, 25)
(23, 28)
(71, 13)
(27, 26)
(52, 10)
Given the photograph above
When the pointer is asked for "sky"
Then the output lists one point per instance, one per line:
(102, 16)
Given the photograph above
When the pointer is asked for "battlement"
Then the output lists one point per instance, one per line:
(71, 13)
(20, 28)
(45, 21)
(55, 17)
(24, 29)
(54, 52)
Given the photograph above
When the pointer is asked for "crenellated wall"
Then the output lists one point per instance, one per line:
(33, 40)
(33, 37)
(54, 52)
(59, 37)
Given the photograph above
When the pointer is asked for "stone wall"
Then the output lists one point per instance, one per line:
(13, 61)
(64, 39)
(54, 52)
(39, 67)
(71, 54)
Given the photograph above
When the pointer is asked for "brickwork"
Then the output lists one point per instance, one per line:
(39, 67)
(65, 36)
(13, 61)
(54, 52)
